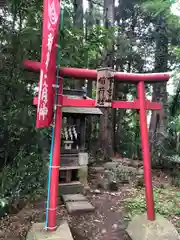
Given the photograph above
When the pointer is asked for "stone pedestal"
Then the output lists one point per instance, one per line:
(83, 170)
(83, 175)
(83, 159)
(37, 232)
(161, 229)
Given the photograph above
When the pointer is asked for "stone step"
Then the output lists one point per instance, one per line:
(76, 203)
(79, 206)
(73, 197)
(70, 188)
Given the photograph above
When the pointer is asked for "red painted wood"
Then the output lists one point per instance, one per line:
(125, 104)
(135, 105)
(67, 102)
(35, 101)
(79, 73)
(55, 163)
(146, 152)
(153, 105)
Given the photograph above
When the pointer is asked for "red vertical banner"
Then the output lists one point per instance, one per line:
(51, 16)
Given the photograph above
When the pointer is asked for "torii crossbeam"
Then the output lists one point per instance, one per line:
(45, 103)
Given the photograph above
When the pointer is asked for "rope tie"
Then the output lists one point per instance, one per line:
(54, 166)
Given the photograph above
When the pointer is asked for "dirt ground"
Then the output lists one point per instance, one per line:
(107, 222)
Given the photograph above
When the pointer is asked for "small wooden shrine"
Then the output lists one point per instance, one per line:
(74, 158)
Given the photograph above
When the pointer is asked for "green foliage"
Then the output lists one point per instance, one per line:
(122, 174)
(87, 52)
(156, 7)
(21, 161)
(166, 203)
(25, 178)
(129, 144)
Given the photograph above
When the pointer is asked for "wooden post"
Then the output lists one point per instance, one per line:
(82, 134)
(105, 87)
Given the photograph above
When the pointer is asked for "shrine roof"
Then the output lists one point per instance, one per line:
(81, 110)
(85, 111)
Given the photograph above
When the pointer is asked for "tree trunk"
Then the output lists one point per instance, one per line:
(106, 120)
(158, 123)
(89, 24)
(120, 88)
(78, 14)
(78, 24)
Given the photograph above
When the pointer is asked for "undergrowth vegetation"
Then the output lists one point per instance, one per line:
(166, 200)
(22, 181)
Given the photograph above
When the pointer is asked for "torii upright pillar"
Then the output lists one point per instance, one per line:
(146, 152)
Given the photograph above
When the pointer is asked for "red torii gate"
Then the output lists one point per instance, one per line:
(47, 67)
(141, 104)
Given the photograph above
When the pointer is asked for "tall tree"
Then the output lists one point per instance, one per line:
(79, 27)
(158, 123)
(106, 120)
(78, 14)
(89, 27)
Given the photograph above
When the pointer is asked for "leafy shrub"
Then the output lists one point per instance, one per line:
(166, 202)
(25, 178)
(123, 174)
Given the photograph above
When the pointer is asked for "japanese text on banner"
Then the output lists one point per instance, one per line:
(48, 63)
